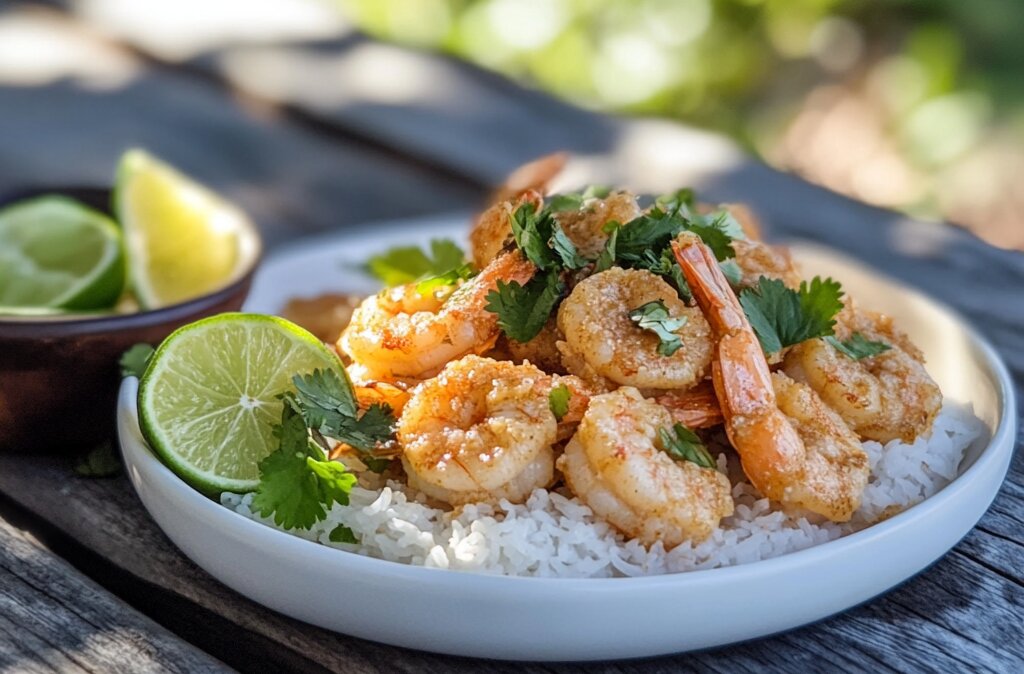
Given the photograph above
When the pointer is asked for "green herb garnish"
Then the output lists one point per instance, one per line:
(100, 461)
(297, 481)
(405, 264)
(134, 361)
(858, 346)
(558, 401)
(523, 310)
(342, 534)
(783, 317)
(655, 318)
(682, 444)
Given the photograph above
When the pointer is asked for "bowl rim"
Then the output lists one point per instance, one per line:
(999, 447)
(57, 324)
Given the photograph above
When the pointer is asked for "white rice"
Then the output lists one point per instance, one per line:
(554, 534)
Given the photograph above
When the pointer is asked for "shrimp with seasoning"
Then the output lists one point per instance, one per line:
(492, 229)
(586, 227)
(794, 448)
(481, 430)
(401, 332)
(605, 348)
(885, 397)
(615, 464)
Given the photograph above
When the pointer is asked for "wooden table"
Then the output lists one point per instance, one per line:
(311, 136)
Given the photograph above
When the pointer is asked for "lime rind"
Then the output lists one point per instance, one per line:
(59, 272)
(209, 398)
(183, 239)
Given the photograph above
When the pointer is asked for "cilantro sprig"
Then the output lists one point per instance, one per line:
(574, 201)
(134, 361)
(783, 317)
(524, 309)
(407, 264)
(654, 317)
(298, 483)
(682, 444)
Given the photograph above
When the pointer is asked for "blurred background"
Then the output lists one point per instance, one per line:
(915, 105)
(909, 104)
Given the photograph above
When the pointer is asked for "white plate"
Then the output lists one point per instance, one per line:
(595, 619)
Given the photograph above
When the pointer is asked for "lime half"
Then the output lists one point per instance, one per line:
(57, 253)
(208, 401)
(183, 240)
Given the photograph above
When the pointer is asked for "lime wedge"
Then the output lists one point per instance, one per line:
(183, 240)
(57, 253)
(208, 401)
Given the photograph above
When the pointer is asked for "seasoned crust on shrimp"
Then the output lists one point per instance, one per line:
(605, 347)
(401, 332)
(481, 430)
(794, 448)
(885, 397)
(585, 227)
(492, 229)
(615, 465)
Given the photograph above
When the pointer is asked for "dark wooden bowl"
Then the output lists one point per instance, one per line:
(59, 375)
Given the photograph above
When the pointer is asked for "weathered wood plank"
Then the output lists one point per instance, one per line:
(52, 618)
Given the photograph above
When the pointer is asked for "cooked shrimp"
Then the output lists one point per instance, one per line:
(696, 407)
(585, 227)
(542, 350)
(493, 228)
(794, 448)
(403, 333)
(605, 347)
(885, 397)
(615, 464)
(534, 175)
(756, 259)
(481, 430)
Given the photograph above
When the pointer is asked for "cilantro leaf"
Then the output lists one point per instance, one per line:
(607, 257)
(858, 346)
(342, 534)
(731, 270)
(297, 482)
(405, 264)
(725, 221)
(650, 231)
(532, 231)
(448, 278)
(682, 444)
(665, 265)
(573, 201)
(328, 406)
(714, 233)
(783, 317)
(558, 401)
(654, 317)
(566, 249)
(134, 361)
(683, 200)
(523, 310)
(100, 461)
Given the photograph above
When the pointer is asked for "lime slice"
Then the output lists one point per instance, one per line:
(183, 240)
(208, 401)
(57, 253)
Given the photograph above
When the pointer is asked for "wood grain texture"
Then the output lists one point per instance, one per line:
(52, 618)
(291, 133)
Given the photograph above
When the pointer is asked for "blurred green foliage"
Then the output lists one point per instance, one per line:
(943, 77)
